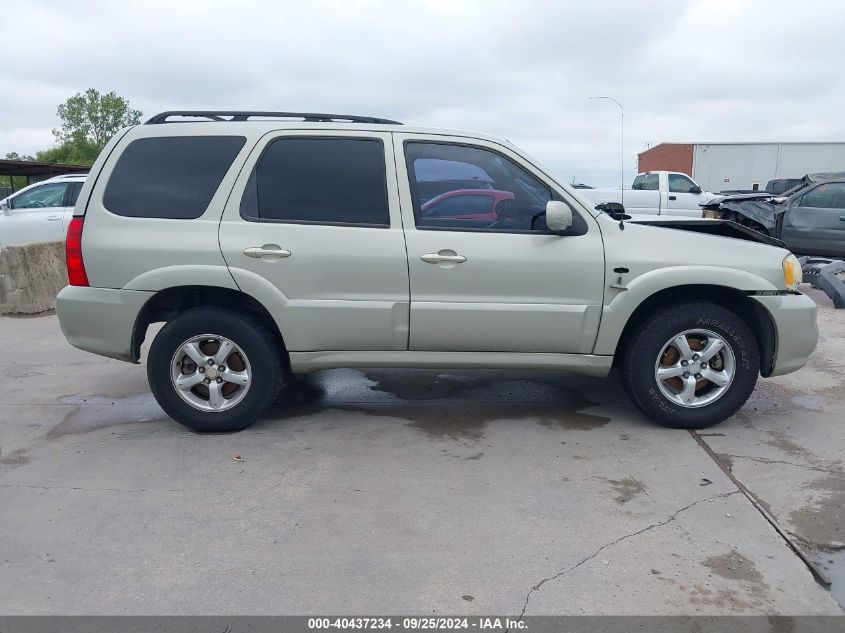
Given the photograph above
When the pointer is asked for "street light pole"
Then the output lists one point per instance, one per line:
(621, 140)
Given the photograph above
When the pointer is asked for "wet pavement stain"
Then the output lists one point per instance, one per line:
(626, 489)
(736, 566)
(408, 395)
(723, 599)
(99, 412)
(823, 522)
(16, 458)
(833, 564)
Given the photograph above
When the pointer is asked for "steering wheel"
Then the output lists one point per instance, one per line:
(504, 210)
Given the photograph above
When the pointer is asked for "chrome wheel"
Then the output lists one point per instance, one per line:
(695, 368)
(210, 372)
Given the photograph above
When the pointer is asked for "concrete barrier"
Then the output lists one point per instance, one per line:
(31, 276)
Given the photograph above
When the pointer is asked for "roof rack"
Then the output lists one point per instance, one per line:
(242, 115)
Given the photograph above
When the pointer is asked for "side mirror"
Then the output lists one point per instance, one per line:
(4, 207)
(695, 189)
(558, 216)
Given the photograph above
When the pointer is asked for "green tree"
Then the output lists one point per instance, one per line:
(90, 119)
(16, 156)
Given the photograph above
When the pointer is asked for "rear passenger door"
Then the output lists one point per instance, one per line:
(317, 215)
(815, 223)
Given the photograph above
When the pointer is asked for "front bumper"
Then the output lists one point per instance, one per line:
(796, 330)
(100, 320)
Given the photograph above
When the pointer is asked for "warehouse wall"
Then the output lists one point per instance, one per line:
(719, 166)
(667, 157)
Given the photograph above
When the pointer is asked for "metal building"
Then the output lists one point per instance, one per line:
(718, 166)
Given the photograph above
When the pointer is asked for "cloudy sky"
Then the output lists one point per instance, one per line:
(700, 70)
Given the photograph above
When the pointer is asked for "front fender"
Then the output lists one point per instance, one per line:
(617, 312)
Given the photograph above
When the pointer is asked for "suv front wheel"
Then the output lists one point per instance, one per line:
(691, 365)
(215, 370)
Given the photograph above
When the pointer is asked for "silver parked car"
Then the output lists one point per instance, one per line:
(272, 244)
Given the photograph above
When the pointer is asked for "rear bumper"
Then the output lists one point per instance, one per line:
(796, 330)
(100, 320)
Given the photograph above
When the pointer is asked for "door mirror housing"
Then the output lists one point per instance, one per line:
(4, 207)
(558, 216)
(695, 189)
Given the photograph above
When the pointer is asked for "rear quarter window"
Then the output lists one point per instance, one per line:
(170, 177)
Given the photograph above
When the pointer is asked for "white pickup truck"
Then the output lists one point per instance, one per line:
(655, 193)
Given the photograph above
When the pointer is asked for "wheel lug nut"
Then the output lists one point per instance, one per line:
(210, 361)
(684, 363)
(695, 356)
(686, 374)
(219, 381)
(697, 376)
(202, 370)
(207, 380)
(221, 368)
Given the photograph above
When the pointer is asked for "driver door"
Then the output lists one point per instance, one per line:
(680, 201)
(492, 284)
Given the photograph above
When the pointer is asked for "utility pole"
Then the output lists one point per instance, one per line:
(621, 140)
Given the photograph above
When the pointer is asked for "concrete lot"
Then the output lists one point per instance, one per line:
(410, 492)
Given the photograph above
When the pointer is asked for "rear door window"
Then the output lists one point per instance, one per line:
(170, 177)
(320, 181)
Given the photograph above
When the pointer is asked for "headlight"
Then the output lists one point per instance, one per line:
(791, 272)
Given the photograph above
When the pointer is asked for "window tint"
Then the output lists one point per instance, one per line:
(322, 180)
(451, 204)
(460, 187)
(679, 183)
(646, 182)
(826, 196)
(73, 194)
(170, 177)
(50, 195)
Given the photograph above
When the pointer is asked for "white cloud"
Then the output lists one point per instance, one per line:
(685, 70)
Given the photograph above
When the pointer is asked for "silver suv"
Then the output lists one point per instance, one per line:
(273, 244)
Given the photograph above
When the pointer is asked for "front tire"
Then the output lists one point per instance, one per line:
(215, 370)
(691, 365)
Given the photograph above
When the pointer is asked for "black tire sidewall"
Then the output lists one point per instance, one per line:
(642, 352)
(256, 341)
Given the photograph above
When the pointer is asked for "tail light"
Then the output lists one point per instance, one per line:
(73, 253)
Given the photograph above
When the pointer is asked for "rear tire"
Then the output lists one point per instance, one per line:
(669, 361)
(231, 391)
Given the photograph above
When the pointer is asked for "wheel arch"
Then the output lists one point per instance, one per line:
(738, 301)
(169, 303)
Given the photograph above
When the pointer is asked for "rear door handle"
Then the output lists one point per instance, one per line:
(443, 257)
(269, 252)
(52, 218)
(673, 197)
(842, 218)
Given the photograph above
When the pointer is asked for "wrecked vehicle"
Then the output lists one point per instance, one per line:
(275, 244)
(809, 218)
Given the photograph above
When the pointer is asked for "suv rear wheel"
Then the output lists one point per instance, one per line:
(215, 370)
(691, 365)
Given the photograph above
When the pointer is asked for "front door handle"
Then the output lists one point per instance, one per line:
(443, 257)
(673, 197)
(269, 252)
(842, 218)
